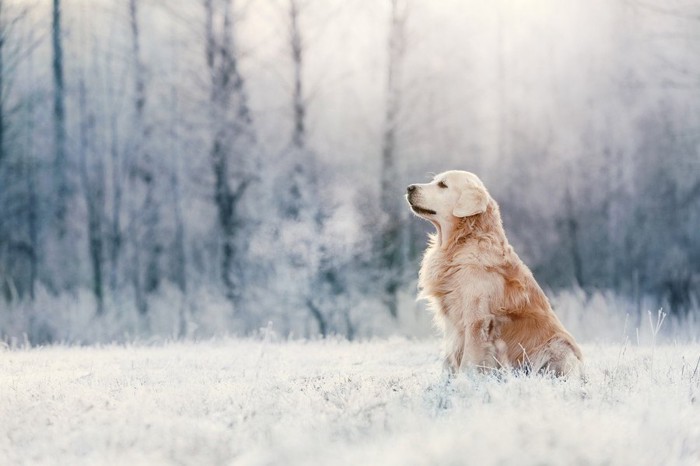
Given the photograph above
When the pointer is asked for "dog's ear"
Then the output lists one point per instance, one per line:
(472, 201)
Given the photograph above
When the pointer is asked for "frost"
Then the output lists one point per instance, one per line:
(376, 402)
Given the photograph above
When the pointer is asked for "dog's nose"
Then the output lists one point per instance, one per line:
(411, 188)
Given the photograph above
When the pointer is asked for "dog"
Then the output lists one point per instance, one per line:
(485, 299)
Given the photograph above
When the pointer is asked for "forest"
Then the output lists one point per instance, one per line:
(189, 168)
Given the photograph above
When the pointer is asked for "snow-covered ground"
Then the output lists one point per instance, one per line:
(335, 402)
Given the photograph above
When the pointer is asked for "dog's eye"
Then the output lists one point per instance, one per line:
(442, 184)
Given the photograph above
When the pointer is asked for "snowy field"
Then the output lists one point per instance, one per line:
(332, 402)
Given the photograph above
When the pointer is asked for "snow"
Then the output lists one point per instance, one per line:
(268, 401)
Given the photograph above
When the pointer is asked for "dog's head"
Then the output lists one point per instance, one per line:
(451, 195)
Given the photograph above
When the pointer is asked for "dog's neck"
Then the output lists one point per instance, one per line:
(458, 230)
(442, 233)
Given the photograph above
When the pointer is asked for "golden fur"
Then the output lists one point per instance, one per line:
(492, 311)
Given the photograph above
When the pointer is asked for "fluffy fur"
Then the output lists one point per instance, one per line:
(491, 310)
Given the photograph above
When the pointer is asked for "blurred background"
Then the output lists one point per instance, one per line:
(191, 168)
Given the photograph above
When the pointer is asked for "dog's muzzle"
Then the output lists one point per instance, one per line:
(413, 199)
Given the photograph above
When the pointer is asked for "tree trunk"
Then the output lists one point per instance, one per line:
(318, 316)
(94, 195)
(33, 226)
(2, 85)
(180, 255)
(117, 193)
(304, 184)
(226, 84)
(298, 134)
(59, 117)
(144, 168)
(32, 196)
(503, 143)
(572, 229)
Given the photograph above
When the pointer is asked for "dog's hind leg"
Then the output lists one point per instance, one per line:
(484, 348)
(558, 357)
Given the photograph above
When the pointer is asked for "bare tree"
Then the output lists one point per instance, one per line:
(3, 46)
(142, 170)
(390, 193)
(671, 185)
(3, 39)
(503, 143)
(32, 211)
(304, 177)
(299, 128)
(62, 189)
(19, 249)
(115, 226)
(233, 136)
(93, 191)
(179, 255)
(572, 229)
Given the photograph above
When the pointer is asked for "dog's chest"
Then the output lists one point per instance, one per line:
(459, 283)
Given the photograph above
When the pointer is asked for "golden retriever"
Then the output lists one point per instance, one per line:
(492, 311)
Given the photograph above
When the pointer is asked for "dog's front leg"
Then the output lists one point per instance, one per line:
(483, 347)
(454, 348)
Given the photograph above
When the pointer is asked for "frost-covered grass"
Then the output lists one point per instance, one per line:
(205, 313)
(335, 402)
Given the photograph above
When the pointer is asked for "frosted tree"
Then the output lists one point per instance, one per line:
(61, 168)
(117, 167)
(304, 261)
(265, 169)
(31, 177)
(232, 140)
(667, 176)
(3, 41)
(142, 170)
(179, 254)
(19, 199)
(303, 184)
(92, 183)
(390, 192)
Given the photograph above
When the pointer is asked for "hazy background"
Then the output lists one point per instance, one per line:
(198, 167)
